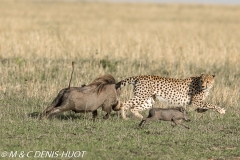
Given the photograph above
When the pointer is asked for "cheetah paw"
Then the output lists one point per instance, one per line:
(222, 111)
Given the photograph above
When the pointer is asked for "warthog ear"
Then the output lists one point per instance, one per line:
(181, 109)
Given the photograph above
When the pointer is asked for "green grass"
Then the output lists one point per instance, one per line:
(210, 136)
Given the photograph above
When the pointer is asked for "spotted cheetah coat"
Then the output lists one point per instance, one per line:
(173, 92)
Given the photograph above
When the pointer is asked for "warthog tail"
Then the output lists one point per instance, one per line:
(71, 75)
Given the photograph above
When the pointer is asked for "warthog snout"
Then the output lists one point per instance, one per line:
(117, 106)
(185, 115)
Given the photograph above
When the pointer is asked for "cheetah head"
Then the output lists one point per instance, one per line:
(206, 81)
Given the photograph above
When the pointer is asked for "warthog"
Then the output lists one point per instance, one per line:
(176, 115)
(87, 98)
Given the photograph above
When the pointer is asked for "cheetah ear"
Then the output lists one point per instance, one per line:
(213, 75)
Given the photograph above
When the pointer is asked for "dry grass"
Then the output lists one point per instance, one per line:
(39, 39)
(136, 31)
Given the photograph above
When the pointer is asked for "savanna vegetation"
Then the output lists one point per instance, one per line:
(40, 39)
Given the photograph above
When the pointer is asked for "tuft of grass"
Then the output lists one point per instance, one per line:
(108, 64)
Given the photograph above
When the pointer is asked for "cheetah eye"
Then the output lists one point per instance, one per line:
(207, 81)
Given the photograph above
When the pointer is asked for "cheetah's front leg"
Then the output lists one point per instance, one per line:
(123, 112)
(205, 106)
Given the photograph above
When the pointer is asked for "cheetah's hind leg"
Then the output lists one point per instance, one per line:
(123, 112)
(148, 103)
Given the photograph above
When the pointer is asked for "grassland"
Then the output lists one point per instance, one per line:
(40, 39)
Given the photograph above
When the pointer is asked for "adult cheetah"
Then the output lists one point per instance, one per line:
(174, 92)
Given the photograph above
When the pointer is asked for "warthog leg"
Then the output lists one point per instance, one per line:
(176, 122)
(106, 108)
(184, 125)
(144, 121)
(59, 109)
(106, 116)
(94, 115)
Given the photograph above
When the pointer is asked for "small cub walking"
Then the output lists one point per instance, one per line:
(167, 114)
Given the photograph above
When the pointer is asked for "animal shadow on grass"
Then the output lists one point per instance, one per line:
(38, 115)
(35, 115)
(72, 116)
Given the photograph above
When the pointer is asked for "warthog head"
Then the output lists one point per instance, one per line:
(185, 113)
